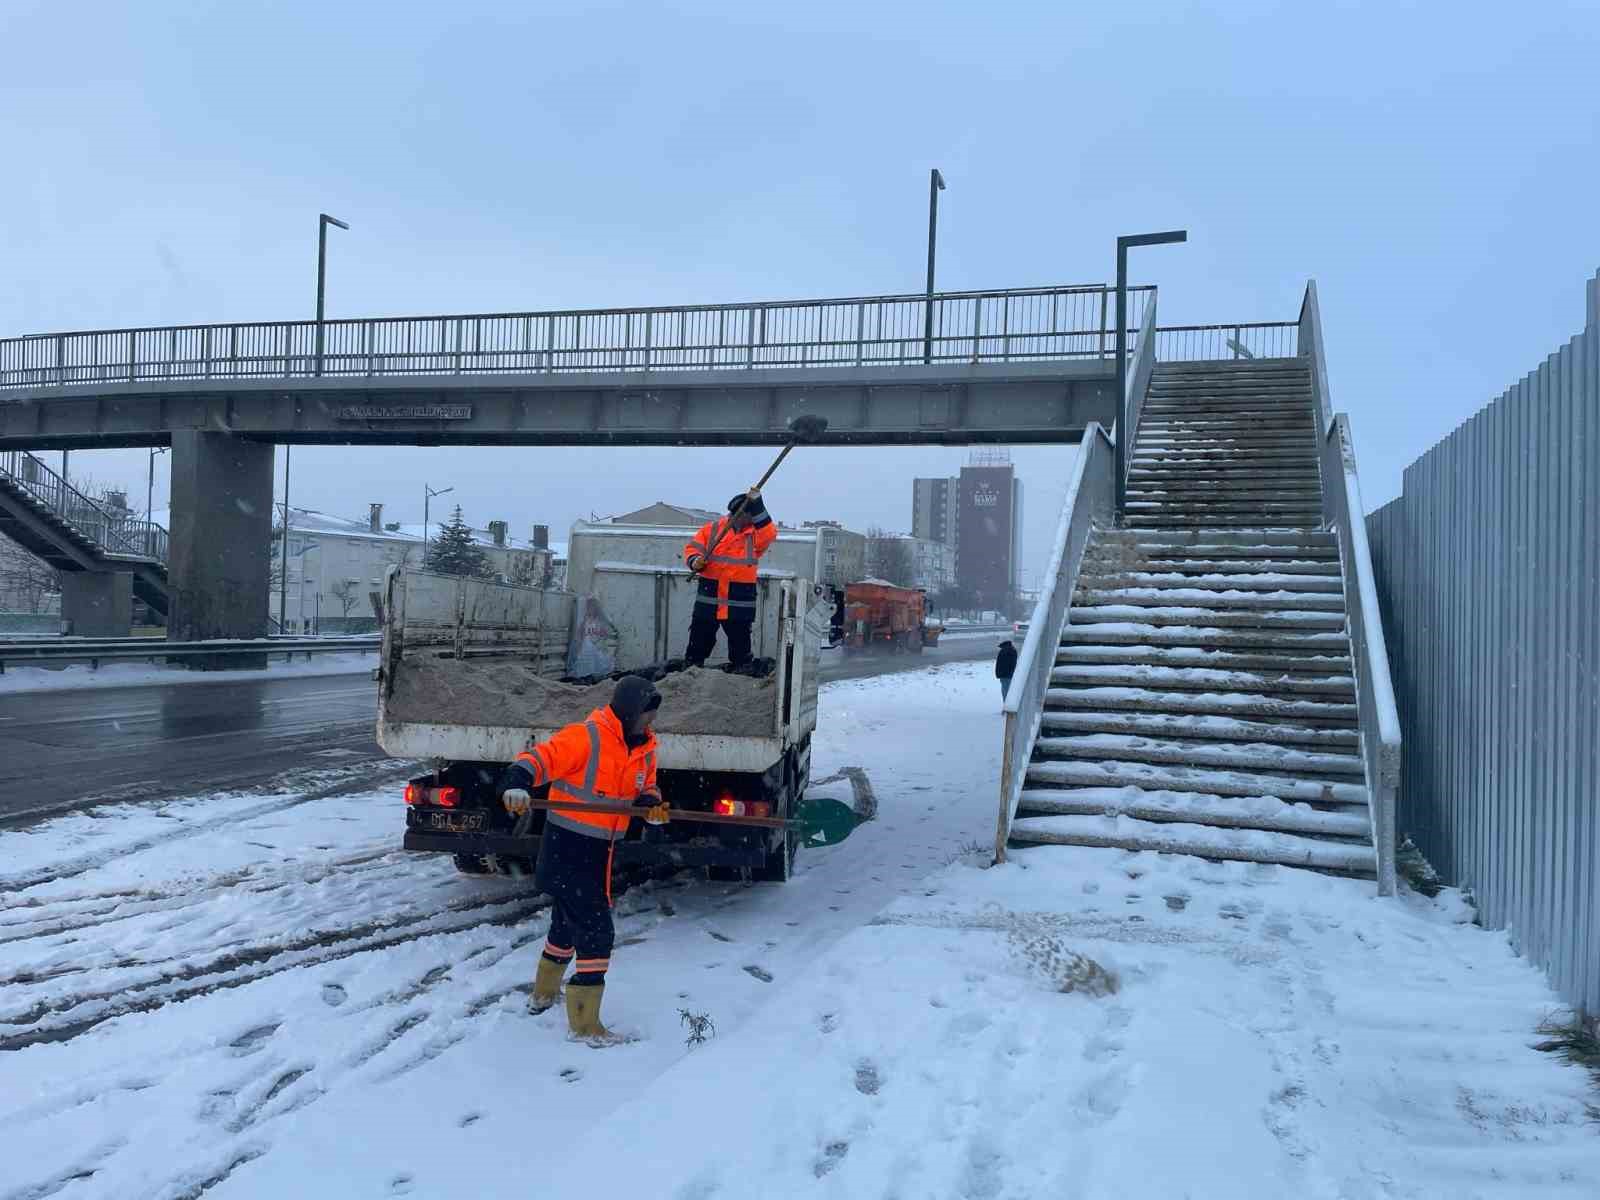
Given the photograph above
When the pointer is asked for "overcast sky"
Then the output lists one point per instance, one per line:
(1433, 166)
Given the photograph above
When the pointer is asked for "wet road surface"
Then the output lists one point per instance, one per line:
(67, 750)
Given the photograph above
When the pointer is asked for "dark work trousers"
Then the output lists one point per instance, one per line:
(573, 870)
(703, 635)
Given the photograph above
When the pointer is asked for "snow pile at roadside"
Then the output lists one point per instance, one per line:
(22, 678)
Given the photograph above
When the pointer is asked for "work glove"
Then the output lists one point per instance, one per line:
(697, 563)
(655, 810)
(754, 493)
(516, 800)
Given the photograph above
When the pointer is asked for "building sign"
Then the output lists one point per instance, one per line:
(405, 412)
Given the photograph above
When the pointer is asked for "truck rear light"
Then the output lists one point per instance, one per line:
(444, 797)
(729, 807)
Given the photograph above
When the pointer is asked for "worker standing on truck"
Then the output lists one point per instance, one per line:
(608, 759)
(724, 554)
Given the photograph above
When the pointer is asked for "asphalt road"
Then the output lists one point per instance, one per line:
(68, 750)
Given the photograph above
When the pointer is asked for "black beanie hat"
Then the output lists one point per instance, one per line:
(753, 508)
(634, 694)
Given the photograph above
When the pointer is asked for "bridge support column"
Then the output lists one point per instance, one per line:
(218, 562)
(97, 603)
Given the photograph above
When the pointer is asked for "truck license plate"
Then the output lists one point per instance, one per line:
(455, 822)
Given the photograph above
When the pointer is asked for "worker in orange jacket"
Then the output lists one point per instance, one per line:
(608, 759)
(724, 554)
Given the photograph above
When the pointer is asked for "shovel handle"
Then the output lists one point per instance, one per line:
(676, 814)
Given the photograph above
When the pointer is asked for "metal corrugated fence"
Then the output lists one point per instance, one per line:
(1489, 570)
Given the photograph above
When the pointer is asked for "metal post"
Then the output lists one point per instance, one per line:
(283, 550)
(323, 221)
(935, 186)
(1125, 435)
(1120, 461)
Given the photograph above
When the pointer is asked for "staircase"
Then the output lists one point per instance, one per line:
(1203, 698)
(50, 519)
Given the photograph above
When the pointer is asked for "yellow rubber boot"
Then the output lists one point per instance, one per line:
(546, 985)
(583, 1012)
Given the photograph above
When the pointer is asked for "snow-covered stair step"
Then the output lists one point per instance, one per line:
(1223, 729)
(1220, 476)
(1227, 812)
(1120, 614)
(1267, 661)
(1220, 704)
(1163, 520)
(1156, 597)
(1118, 773)
(1240, 845)
(1164, 403)
(1248, 756)
(1201, 679)
(1229, 485)
(1241, 439)
(1207, 568)
(1137, 633)
(1223, 506)
(1196, 541)
(1203, 455)
(1309, 560)
(1238, 581)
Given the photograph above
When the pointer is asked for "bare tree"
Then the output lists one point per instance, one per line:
(348, 593)
(889, 558)
(26, 582)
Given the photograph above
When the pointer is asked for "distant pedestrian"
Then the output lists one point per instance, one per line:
(1005, 666)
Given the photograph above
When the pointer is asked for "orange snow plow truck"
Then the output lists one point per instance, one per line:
(880, 616)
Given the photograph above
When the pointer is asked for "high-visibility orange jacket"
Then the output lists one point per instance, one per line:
(590, 763)
(728, 579)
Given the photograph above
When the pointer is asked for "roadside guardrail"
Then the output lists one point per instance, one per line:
(96, 650)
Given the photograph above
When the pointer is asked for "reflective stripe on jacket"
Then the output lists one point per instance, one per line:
(591, 763)
(729, 577)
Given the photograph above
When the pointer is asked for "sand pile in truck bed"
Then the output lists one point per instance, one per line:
(453, 691)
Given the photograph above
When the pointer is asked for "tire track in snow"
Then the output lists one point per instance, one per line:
(349, 782)
(33, 1026)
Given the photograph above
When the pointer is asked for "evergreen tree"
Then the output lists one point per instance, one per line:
(453, 552)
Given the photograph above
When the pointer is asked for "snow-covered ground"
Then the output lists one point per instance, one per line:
(258, 996)
(18, 678)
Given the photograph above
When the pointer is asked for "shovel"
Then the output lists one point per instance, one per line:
(805, 429)
(819, 821)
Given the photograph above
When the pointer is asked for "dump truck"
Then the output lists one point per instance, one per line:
(878, 615)
(472, 672)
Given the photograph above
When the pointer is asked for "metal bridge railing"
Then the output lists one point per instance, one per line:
(113, 531)
(1208, 343)
(1001, 326)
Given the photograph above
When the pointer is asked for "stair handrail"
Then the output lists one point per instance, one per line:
(1343, 513)
(114, 532)
(1089, 502)
(1130, 407)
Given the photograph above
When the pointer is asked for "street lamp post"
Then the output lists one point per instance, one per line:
(323, 221)
(428, 494)
(935, 186)
(1124, 434)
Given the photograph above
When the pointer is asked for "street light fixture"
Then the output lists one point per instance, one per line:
(935, 186)
(428, 494)
(1124, 434)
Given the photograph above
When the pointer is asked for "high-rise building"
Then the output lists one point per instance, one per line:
(989, 521)
(934, 507)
